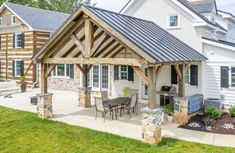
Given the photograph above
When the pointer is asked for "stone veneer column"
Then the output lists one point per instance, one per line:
(84, 99)
(152, 125)
(44, 106)
(181, 116)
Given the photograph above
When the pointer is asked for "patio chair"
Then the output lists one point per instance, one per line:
(104, 95)
(100, 107)
(132, 105)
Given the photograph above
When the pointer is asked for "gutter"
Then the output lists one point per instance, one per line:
(125, 6)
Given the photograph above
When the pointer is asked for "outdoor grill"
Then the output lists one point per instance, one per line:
(166, 94)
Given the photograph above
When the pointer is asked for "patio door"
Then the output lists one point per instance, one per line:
(144, 87)
(99, 78)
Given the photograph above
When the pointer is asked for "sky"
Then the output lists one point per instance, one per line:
(116, 5)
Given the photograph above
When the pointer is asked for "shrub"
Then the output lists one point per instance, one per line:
(232, 111)
(168, 109)
(213, 113)
(22, 78)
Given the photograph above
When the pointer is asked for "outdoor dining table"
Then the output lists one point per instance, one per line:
(115, 103)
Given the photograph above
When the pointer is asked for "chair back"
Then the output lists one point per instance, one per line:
(133, 92)
(133, 100)
(99, 105)
(104, 95)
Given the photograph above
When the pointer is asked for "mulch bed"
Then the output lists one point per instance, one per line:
(216, 128)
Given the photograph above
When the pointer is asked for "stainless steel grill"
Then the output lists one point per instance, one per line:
(166, 94)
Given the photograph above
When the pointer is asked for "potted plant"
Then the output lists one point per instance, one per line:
(168, 110)
(23, 84)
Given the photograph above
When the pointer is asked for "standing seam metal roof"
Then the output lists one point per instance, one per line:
(149, 37)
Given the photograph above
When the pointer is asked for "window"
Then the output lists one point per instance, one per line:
(173, 21)
(18, 68)
(0, 21)
(105, 76)
(61, 70)
(123, 72)
(18, 40)
(233, 77)
(187, 76)
(96, 76)
(13, 19)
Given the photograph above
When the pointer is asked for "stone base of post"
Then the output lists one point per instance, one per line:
(44, 106)
(152, 125)
(84, 99)
(181, 116)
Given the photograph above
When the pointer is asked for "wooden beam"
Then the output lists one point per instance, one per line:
(93, 61)
(29, 67)
(117, 52)
(78, 43)
(141, 74)
(105, 48)
(181, 84)
(99, 43)
(89, 37)
(177, 69)
(81, 68)
(152, 96)
(43, 80)
(50, 69)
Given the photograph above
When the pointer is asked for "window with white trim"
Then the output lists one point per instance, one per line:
(98, 77)
(61, 70)
(123, 72)
(95, 76)
(18, 68)
(187, 76)
(13, 19)
(18, 40)
(173, 21)
(232, 76)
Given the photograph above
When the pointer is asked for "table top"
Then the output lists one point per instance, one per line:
(117, 101)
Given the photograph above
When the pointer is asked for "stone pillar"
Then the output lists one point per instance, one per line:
(84, 95)
(181, 116)
(152, 125)
(44, 106)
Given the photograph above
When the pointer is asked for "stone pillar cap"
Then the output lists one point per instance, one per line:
(151, 111)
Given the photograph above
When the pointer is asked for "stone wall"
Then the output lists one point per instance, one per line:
(65, 83)
(181, 116)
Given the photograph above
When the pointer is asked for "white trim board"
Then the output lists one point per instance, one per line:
(217, 44)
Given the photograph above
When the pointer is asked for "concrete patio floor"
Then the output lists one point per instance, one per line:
(65, 109)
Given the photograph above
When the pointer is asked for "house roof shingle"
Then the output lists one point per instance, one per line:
(38, 18)
(149, 37)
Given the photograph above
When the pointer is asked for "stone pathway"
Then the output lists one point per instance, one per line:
(65, 109)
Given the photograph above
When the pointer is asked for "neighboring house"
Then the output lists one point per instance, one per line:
(23, 30)
(208, 30)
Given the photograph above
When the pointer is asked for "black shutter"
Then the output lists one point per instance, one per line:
(71, 72)
(13, 68)
(116, 72)
(173, 76)
(224, 77)
(22, 40)
(130, 74)
(21, 68)
(194, 75)
(14, 41)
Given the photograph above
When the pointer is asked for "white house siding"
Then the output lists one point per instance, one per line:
(218, 57)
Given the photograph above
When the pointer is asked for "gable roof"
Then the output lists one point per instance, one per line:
(196, 11)
(203, 6)
(221, 42)
(151, 39)
(37, 19)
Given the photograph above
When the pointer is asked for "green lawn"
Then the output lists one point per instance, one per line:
(25, 132)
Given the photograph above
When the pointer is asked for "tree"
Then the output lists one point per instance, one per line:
(65, 6)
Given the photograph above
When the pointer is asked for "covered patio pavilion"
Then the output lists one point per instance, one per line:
(93, 36)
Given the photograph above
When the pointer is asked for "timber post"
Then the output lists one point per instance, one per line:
(152, 97)
(44, 106)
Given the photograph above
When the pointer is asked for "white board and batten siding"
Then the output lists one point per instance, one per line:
(218, 57)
